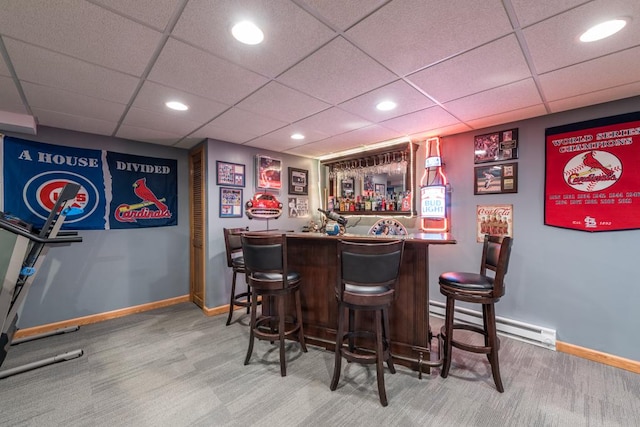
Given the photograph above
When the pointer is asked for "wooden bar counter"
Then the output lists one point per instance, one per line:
(314, 256)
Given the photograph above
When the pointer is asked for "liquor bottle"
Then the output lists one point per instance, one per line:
(334, 216)
(367, 203)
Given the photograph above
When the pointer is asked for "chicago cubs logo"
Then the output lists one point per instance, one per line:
(41, 193)
(592, 171)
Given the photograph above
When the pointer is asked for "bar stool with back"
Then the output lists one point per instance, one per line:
(235, 261)
(265, 257)
(480, 289)
(366, 277)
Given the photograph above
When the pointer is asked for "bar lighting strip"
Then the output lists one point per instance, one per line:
(436, 142)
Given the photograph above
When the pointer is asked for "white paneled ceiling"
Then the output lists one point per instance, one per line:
(108, 66)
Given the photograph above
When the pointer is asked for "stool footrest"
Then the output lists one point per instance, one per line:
(481, 349)
(263, 323)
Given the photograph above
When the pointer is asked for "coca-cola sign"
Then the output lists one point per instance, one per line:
(495, 220)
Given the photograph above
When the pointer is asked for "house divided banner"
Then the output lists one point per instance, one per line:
(116, 190)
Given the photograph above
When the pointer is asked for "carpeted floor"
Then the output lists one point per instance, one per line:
(176, 367)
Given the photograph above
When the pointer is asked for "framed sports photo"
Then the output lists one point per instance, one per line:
(496, 146)
(268, 173)
(298, 181)
(230, 202)
(496, 179)
(231, 174)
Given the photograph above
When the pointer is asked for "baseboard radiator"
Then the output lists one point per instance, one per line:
(536, 335)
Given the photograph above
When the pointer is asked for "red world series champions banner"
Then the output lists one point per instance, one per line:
(592, 174)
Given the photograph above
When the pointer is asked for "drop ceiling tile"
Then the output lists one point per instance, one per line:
(494, 64)
(191, 70)
(440, 131)
(155, 13)
(282, 103)
(75, 123)
(407, 98)
(108, 39)
(4, 70)
(51, 99)
(188, 143)
(597, 97)
(39, 66)
(9, 97)
(554, 43)
(495, 101)
(592, 75)
(408, 35)
(419, 121)
(508, 116)
(331, 122)
(335, 73)
(148, 135)
(344, 16)
(170, 121)
(529, 12)
(290, 33)
(153, 96)
(282, 137)
(236, 136)
(250, 124)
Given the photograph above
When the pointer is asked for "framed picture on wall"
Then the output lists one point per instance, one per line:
(268, 173)
(496, 146)
(230, 202)
(495, 179)
(298, 181)
(230, 174)
(346, 187)
(495, 220)
(380, 189)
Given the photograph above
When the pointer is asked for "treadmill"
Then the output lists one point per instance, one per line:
(22, 251)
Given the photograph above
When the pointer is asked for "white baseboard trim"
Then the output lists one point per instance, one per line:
(536, 335)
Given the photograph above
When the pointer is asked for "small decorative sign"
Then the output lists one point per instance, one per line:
(298, 207)
(496, 220)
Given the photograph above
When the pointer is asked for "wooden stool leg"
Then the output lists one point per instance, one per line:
(379, 359)
(338, 351)
(490, 319)
(252, 325)
(448, 337)
(281, 331)
(233, 297)
(386, 335)
(249, 296)
(299, 322)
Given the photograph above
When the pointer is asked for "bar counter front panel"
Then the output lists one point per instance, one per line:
(314, 256)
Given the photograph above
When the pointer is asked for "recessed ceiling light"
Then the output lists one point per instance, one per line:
(178, 106)
(297, 136)
(247, 33)
(603, 30)
(386, 105)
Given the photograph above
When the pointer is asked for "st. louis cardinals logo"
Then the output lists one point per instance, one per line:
(136, 211)
(41, 193)
(592, 171)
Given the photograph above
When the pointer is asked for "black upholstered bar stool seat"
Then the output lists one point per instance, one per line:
(235, 261)
(265, 257)
(367, 274)
(482, 289)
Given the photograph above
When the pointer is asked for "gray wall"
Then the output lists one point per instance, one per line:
(583, 285)
(218, 274)
(111, 269)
